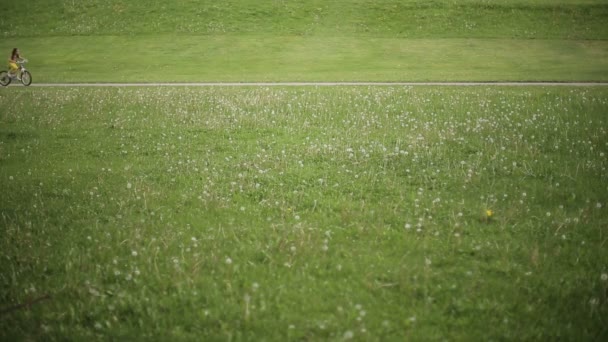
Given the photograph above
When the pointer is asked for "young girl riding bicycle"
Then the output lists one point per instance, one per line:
(13, 68)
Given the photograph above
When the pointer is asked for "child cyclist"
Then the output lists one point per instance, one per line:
(13, 68)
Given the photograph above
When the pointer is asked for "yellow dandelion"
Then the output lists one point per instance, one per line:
(489, 213)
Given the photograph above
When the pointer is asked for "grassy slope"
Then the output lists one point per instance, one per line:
(309, 40)
(394, 18)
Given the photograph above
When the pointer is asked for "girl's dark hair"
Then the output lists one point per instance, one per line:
(14, 52)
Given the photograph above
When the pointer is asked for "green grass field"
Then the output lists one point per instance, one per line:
(380, 213)
(313, 40)
(304, 213)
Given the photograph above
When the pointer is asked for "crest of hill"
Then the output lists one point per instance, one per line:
(542, 19)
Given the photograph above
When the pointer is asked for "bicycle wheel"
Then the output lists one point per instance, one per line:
(4, 79)
(26, 78)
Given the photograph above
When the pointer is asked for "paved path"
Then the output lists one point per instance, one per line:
(321, 84)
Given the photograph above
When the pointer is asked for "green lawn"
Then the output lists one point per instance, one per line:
(258, 213)
(379, 213)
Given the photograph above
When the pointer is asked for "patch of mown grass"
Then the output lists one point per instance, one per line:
(174, 58)
(303, 213)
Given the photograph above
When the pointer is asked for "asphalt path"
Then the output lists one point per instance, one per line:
(322, 84)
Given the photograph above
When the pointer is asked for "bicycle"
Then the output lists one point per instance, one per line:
(26, 77)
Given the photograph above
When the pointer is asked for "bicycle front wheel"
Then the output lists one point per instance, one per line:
(4, 79)
(26, 78)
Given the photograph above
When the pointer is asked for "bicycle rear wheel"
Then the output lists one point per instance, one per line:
(26, 78)
(4, 79)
